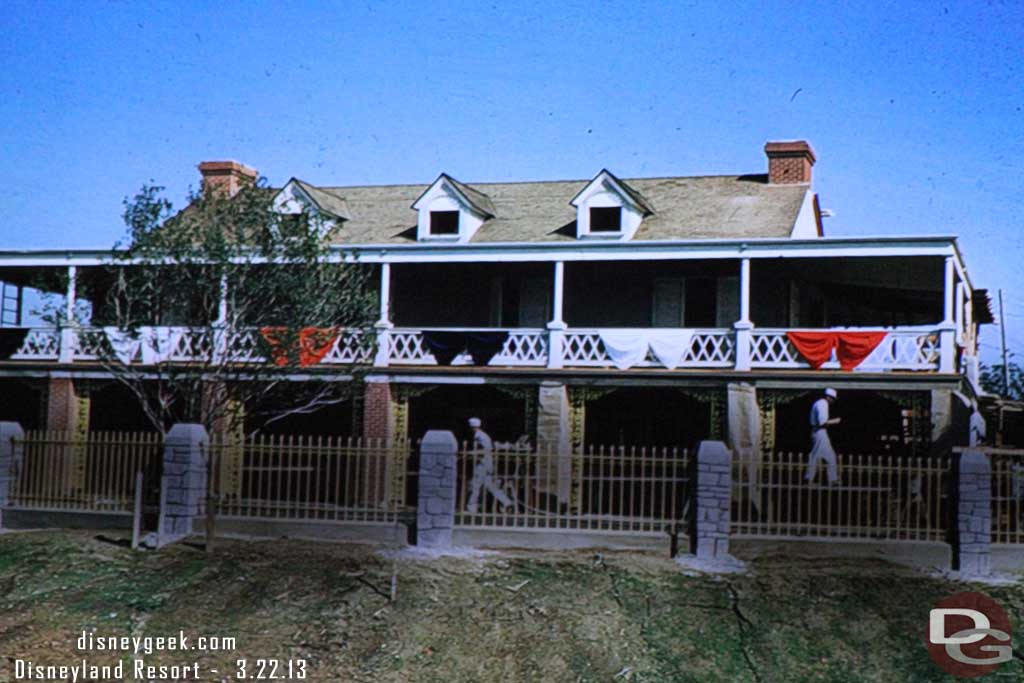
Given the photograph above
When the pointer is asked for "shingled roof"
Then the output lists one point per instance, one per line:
(684, 208)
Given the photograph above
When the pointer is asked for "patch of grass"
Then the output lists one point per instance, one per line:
(572, 617)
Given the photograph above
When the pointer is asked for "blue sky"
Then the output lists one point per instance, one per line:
(916, 110)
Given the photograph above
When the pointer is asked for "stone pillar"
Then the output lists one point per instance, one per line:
(709, 539)
(66, 410)
(10, 453)
(435, 514)
(553, 416)
(971, 552)
(184, 480)
(554, 464)
(941, 410)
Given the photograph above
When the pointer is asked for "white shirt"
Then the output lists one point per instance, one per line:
(819, 413)
(976, 429)
(482, 442)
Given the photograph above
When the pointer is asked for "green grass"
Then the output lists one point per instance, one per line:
(513, 617)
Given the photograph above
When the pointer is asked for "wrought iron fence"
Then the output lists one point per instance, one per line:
(1007, 495)
(601, 489)
(315, 478)
(874, 497)
(93, 471)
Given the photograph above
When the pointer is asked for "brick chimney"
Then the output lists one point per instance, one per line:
(226, 176)
(789, 162)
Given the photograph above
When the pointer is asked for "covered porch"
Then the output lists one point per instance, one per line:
(682, 309)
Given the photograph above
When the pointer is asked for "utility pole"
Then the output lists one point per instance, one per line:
(1002, 332)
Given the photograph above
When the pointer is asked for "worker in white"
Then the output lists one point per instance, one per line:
(821, 446)
(483, 473)
(976, 427)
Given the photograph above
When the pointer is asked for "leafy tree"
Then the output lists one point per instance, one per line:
(232, 298)
(992, 379)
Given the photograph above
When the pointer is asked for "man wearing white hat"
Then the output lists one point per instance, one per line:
(483, 473)
(821, 445)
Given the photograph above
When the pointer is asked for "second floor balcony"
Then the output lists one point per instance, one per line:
(912, 349)
(682, 315)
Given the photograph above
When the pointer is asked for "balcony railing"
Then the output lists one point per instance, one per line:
(713, 348)
(904, 349)
(910, 349)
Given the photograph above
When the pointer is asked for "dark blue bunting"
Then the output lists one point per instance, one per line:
(11, 339)
(482, 346)
(445, 345)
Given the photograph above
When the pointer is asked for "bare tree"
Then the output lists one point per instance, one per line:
(221, 313)
(226, 308)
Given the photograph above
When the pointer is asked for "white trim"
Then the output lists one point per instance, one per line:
(806, 224)
(822, 247)
(443, 196)
(604, 191)
(292, 200)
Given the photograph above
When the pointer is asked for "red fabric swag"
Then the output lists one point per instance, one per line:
(313, 344)
(815, 347)
(854, 347)
(851, 347)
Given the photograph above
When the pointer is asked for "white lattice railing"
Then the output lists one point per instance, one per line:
(349, 347)
(524, 347)
(41, 343)
(900, 350)
(715, 348)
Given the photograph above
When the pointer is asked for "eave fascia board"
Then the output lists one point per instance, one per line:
(928, 245)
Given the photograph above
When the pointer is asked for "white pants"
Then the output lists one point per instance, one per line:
(483, 476)
(821, 449)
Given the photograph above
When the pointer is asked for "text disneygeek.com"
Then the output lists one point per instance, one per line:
(133, 666)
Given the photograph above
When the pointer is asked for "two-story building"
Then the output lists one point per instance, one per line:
(642, 311)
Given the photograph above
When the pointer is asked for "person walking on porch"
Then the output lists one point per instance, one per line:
(821, 445)
(483, 473)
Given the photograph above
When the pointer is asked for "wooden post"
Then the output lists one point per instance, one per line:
(67, 331)
(161, 511)
(556, 327)
(743, 326)
(384, 324)
(137, 512)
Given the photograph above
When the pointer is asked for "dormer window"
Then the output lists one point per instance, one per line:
(450, 211)
(301, 206)
(606, 219)
(444, 222)
(608, 208)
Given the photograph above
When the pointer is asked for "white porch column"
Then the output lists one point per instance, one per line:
(384, 324)
(221, 323)
(743, 326)
(67, 330)
(222, 304)
(947, 330)
(556, 328)
(958, 312)
(947, 291)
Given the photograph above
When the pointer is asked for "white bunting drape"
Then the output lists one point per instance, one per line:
(627, 348)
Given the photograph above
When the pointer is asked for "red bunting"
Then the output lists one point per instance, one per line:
(854, 347)
(851, 347)
(313, 344)
(815, 347)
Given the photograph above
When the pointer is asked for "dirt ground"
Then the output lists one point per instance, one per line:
(510, 616)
